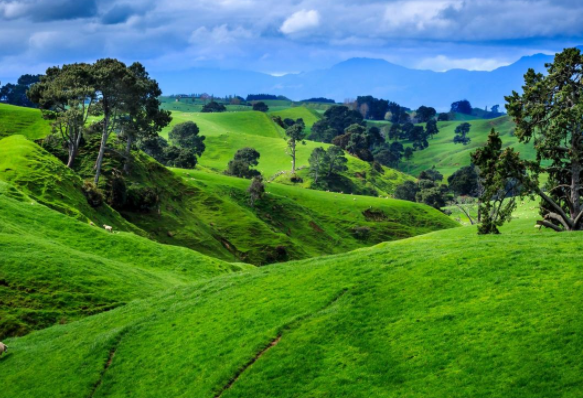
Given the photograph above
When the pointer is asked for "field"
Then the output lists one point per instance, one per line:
(444, 314)
(23, 121)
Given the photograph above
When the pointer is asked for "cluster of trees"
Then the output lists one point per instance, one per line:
(187, 146)
(325, 165)
(260, 107)
(125, 98)
(15, 94)
(430, 190)
(320, 100)
(264, 97)
(213, 107)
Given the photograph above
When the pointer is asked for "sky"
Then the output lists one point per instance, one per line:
(282, 36)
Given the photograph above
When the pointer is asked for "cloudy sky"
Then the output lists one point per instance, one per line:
(282, 36)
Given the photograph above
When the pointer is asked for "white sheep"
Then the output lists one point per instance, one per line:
(108, 228)
(3, 348)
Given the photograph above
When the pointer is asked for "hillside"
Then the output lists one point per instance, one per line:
(54, 268)
(437, 315)
(212, 215)
(227, 132)
(448, 157)
(23, 121)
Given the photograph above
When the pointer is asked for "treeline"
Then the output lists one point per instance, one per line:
(15, 94)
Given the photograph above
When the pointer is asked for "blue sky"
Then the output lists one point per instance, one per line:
(282, 36)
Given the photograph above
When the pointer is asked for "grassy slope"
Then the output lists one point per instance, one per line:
(55, 268)
(448, 157)
(305, 223)
(300, 112)
(445, 314)
(43, 177)
(23, 121)
(228, 132)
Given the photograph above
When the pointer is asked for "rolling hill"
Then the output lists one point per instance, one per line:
(444, 314)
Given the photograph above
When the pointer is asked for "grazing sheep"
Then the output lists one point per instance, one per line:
(108, 228)
(3, 348)
(91, 223)
(538, 227)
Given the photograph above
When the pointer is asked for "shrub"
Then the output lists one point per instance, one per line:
(92, 193)
(141, 198)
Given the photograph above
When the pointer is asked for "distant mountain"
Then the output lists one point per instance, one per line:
(365, 76)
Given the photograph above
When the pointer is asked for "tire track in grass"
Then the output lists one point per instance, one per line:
(294, 324)
(112, 351)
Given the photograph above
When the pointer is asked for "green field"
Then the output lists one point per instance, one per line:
(444, 314)
(448, 157)
(23, 121)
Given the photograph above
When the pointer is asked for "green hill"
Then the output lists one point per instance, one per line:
(445, 314)
(309, 116)
(212, 215)
(227, 132)
(54, 268)
(23, 121)
(448, 157)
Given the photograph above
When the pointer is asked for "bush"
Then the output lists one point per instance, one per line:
(92, 193)
(116, 191)
(260, 107)
(141, 199)
(361, 232)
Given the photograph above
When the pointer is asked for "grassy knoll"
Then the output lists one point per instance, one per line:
(445, 314)
(292, 223)
(54, 268)
(448, 157)
(227, 132)
(309, 116)
(23, 121)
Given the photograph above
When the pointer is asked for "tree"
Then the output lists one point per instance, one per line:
(336, 161)
(462, 132)
(66, 96)
(317, 162)
(112, 80)
(464, 181)
(186, 135)
(143, 117)
(497, 170)
(431, 128)
(16, 94)
(336, 120)
(443, 117)
(425, 114)
(462, 106)
(432, 175)
(184, 158)
(213, 107)
(549, 113)
(406, 191)
(256, 190)
(260, 107)
(295, 134)
(154, 146)
(408, 153)
(242, 162)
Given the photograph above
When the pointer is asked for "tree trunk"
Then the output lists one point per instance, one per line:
(126, 166)
(104, 136)
(293, 155)
(73, 150)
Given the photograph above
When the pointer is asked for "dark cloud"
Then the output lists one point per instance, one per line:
(48, 10)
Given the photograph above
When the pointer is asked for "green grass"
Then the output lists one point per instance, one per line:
(23, 121)
(449, 157)
(300, 112)
(228, 132)
(300, 223)
(54, 268)
(445, 314)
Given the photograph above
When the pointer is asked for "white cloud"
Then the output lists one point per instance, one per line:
(442, 63)
(419, 14)
(301, 20)
(219, 35)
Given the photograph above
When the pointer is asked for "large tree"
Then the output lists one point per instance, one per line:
(186, 135)
(425, 114)
(550, 113)
(295, 134)
(461, 134)
(112, 81)
(242, 162)
(462, 106)
(143, 116)
(66, 96)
